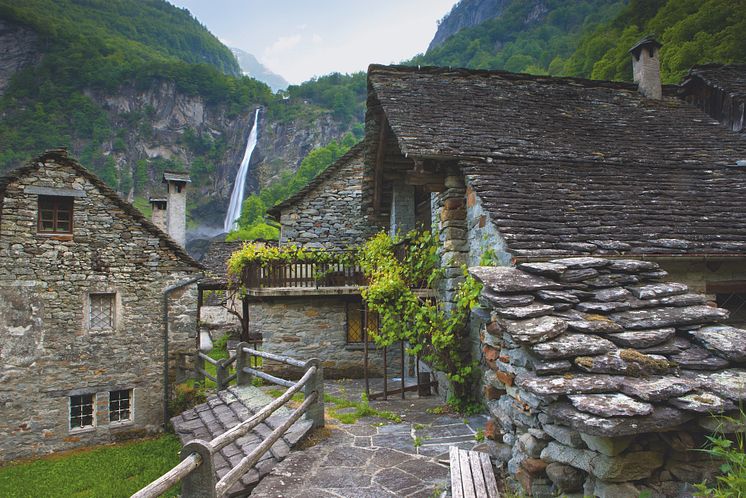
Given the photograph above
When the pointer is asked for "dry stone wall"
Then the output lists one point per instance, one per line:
(601, 379)
(48, 352)
(330, 214)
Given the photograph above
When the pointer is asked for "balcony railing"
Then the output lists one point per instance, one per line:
(302, 274)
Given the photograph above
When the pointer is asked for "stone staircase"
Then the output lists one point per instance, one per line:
(225, 410)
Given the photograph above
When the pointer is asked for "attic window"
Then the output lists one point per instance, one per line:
(55, 214)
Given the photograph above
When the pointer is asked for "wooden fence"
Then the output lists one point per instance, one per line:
(196, 471)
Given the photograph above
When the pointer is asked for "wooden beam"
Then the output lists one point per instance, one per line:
(378, 171)
(423, 178)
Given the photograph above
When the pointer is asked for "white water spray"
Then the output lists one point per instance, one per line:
(234, 208)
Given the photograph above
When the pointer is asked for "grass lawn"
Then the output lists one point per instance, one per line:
(102, 472)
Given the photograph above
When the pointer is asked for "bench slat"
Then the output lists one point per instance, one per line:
(467, 479)
(456, 488)
(489, 476)
(478, 473)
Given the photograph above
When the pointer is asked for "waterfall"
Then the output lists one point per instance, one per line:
(234, 207)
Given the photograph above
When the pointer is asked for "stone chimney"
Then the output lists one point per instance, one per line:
(159, 212)
(646, 69)
(176, 205)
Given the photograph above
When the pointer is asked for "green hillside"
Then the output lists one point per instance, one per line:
(590, 38)
(521, 41)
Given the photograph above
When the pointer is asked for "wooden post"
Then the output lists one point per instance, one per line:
(242, 361)
(315, 412)
(403, 384)
(385, 373)
(200, 483)
(200, 367)
(365, 351)
(221, 374)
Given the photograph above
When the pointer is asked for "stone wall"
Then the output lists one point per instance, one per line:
(601, 380)
(310, 327)
(48, 351)
(330, 214)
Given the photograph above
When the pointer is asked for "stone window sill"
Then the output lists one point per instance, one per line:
(359, 346)
(56, 236)
(121, 423)
(83, 430)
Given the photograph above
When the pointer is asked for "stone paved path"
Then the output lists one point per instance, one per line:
(229, 408)
(373, 457)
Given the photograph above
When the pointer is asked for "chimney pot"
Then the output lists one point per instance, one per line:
(646, 67)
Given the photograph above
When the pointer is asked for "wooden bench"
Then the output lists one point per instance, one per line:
(472, 475)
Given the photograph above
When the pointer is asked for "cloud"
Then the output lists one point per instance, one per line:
(282, 44)
(316, 38)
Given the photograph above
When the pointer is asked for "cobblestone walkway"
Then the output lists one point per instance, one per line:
(373, 457)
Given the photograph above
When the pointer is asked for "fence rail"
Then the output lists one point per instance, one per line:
(302, 274)
(196, 471)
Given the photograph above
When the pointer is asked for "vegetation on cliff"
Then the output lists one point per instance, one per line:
(590, 38)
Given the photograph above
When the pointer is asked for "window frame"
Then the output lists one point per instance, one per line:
(129, 409)
(112, 313)
(57, 202)
(359, 305)
(92, 415)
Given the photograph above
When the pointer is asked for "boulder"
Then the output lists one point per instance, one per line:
(565, 435)
(668, 317)
(698, 358)
(610, 405)
(572, 345)
(609, 446)
(663, 418)
(600, 325)
(523, 312)
(502, 279)
(544, 269)
(565, 477)
(574, 263)
(701, 403)
(535, 330)
(570, 384)
(658, 388)
(728, 342)
(631, 466)
(632, 265)
(503, 300)
(654, 291)
(612, 294)
(639, 339)
(551, 296)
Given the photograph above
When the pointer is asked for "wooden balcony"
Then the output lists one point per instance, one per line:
(301, 275)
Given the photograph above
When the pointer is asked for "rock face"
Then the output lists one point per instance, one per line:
(19, 48)
(466, 14)
(620, 362)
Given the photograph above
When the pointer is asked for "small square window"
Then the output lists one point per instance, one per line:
(101, 312)
(82, 411)
(55, 214)
(119, 405)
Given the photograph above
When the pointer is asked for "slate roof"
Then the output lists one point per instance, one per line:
(562, 161)
(355, 152)
(216, 258)
(175, 176)
(730, 78)
(60, 156)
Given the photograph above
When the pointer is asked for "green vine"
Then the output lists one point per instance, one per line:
(266, 255)
(405, 314)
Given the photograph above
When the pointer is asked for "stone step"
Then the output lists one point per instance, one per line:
(225, 410)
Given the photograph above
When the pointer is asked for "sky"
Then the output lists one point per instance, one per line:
(299, 39)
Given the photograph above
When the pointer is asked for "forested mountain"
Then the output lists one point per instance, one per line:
(590, 38)
(134, 87)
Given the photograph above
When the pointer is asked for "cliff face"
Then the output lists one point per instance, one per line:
(155, 124)
(19, 49)
(465, 14)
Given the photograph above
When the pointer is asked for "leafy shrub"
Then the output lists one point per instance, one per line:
(732, 452)
(185, 396)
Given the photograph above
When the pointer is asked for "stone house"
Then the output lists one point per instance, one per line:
(525, 168)
(94, 299)
(639, 181)
(322, 320)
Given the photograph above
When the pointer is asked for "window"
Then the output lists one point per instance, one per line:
(735, 303)
(101, 312)
(55, 214)
(356, 312)
(119, 405)
(81, 411)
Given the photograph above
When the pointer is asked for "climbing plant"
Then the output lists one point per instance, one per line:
(397, 269)
(266, 255)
